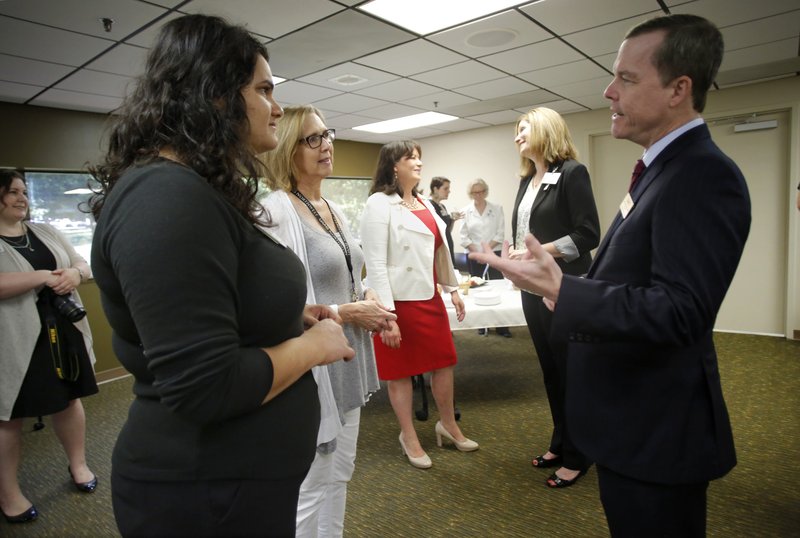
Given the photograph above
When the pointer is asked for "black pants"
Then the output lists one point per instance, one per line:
(554, 373)
(634, 508)
(205, 508)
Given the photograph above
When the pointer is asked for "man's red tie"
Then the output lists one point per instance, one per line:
(637, 171)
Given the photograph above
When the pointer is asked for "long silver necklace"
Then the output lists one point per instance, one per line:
(22, 242)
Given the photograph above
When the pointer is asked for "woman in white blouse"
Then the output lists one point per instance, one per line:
(483, 223)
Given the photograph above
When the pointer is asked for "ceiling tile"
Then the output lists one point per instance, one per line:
(583, 88)
(270, 18)
(497, 118)
(371, 76)
(145, 37)
(411, 58)
(299, 93)
(38, 42)
(532, 57)
(726, 12)
(398, 90)
(83, 16)
(17, 93)
(562, 106)
(121, 60)
(461, 125)
(20, 70)
(330, 42)
(438, 100)
(603, 39)
(349, 102)
(564, 74)
(97, 83)
(762, 31)
(495, 88)
(568, 16)
(460, 74)
(391, 111)
(346, 121)
(464, 39)
(77, 101)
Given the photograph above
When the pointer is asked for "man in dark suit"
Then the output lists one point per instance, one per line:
(644, 399)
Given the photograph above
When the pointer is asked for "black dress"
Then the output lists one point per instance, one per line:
(42, 391)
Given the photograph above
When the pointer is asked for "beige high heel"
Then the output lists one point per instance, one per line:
(421, 462)
(468, 445)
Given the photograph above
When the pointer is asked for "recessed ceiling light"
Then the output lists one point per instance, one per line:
(347, 80)
(277, 80)
(406, 122)
(494, 37)
(427, 16)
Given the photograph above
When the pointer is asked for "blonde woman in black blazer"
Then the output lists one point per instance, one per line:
(555, 203)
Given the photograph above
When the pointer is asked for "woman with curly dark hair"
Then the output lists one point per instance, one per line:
(208, 312)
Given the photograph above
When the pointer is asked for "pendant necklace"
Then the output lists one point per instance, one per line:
(340, 240)
(20, 242)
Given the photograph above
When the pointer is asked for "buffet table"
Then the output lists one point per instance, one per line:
(507, 313)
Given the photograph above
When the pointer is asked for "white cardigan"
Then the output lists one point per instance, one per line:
(289, 230)
(398, 250)
(19, 319)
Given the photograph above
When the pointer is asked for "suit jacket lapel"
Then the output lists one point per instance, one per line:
(647, 178)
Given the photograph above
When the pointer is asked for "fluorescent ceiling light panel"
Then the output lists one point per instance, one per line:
(407, 122)
(427, 16)
(277, 80)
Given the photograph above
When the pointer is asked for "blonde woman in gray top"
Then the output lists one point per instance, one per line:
(317, 231)
(40, 270)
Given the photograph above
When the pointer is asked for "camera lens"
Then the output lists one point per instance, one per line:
(69, 308)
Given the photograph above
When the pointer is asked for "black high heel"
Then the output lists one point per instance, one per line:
(25, 517)
(556, 481)
(84, 487)
(542, 462)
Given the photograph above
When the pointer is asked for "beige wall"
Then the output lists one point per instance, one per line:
(771, 268)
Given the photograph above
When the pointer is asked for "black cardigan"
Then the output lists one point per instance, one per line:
(192, 291)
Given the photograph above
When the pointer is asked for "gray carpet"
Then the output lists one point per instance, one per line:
(493, 492)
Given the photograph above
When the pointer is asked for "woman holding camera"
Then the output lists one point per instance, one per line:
(39, 270)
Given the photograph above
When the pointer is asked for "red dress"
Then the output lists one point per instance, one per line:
(427, 343)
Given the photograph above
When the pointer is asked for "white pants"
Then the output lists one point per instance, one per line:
(323, 494)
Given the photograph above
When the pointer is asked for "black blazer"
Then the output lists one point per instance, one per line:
(643, 389)
(566, 208)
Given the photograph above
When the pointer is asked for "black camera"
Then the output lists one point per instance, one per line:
(68, 308)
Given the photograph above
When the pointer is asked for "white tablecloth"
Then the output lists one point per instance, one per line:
(506, 314)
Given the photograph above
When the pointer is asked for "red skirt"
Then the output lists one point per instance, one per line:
(426, 342)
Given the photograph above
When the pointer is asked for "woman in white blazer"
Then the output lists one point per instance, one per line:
(407, 256)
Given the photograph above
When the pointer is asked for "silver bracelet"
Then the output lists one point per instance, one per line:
(80, 273)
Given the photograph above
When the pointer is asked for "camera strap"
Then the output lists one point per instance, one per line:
(65, 359)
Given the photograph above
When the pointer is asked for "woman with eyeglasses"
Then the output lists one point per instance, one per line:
(208, 311)
(317, 231)
(407, 256)
(555, 203)
(483, 223)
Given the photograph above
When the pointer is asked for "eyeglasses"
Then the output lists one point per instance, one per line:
(479, 192)
(314, 141)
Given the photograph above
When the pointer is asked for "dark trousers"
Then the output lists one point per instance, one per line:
(205, 508)
(554, 373)
(634, 508)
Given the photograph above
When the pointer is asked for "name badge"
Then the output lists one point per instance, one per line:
(551, 178)
(626, 205)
